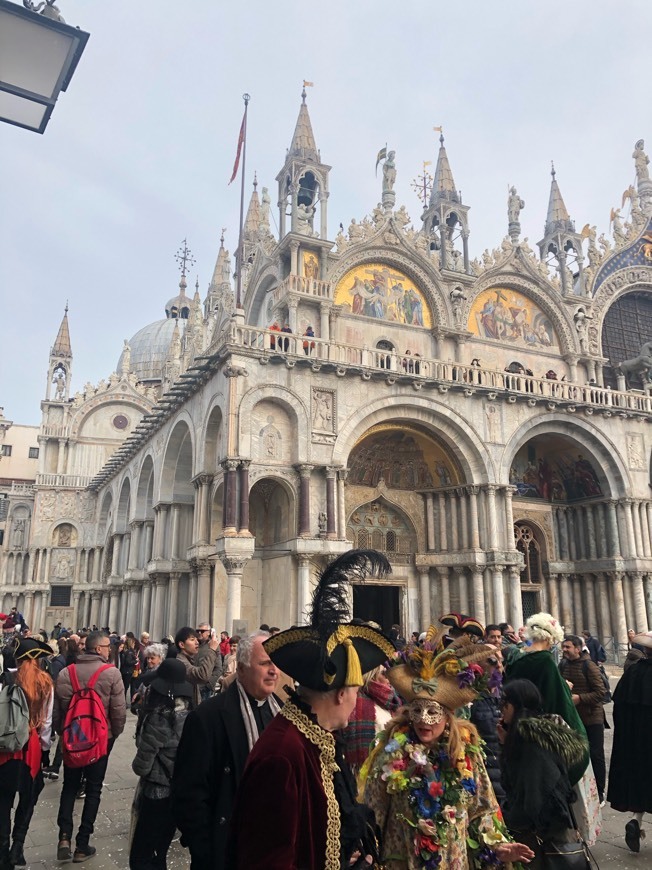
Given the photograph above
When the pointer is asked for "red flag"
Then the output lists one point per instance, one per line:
(241, 139)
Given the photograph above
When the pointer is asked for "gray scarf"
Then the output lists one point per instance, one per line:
(248, 714)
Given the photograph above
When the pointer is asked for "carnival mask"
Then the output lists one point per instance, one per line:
(428, 712)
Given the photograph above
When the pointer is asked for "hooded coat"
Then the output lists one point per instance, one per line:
(535, 767)
(630, 772)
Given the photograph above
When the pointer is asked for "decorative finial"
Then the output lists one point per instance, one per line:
(222, 237)
(552, 169)
(255, 179)
(422, 184)
(303, 92)
(66, 308)
(184, 258)
(440, 130)
(197, 284)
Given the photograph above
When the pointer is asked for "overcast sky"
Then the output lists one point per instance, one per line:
(139, 150)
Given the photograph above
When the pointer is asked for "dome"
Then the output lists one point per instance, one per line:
(178, 306)
(149, 348)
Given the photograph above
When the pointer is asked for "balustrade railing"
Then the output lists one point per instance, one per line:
(76, 481)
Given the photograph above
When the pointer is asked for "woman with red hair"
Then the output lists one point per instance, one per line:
(20, 771)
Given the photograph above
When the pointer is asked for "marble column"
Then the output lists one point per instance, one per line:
(627, 504)
(176, 520)
(229, 523)
(462, 588)
(243, 473)
(160, 608)
(553, 595)
(173, 602)
(477, 583)
(618, 621)
(636, 525)
(103, 609)
(560, 514)
(590, 532)
(424, 597)
(75, 609)
(192, 596)
(591, 609)
(572, 535)
(234, 569)
(149, 540)
(474, 522)
(577, 623)
(515, 602)
(115, 557)
(645, 529)
(565, 600)
(603, 608)
(428, 498)
(303, 589)
(640, 611)
(492, 527)
(114, 608)
(454, 515)
(647, 585)
(500, 614)
(136, 544)
(154, 603)
(304, 470)
(444, 586)
(204, 589)
(94, 617)
(464, 519)
(145, 617)
(331, 531)
(443, 538)
(160, 523)
(612, 526)
(508, 494)
(342, 474)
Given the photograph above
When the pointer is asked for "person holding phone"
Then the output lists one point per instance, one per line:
(205, 634)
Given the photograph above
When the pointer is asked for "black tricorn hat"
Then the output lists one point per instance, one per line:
(30, 648)
(332, 652)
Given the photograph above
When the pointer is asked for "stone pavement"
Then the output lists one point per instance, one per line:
(112, 826)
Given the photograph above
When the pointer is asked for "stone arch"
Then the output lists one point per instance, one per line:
(272, 511)
(106, 517)
(18, 523)
(145, 490)
(293, 406)
(177, 470)
(420, 272)
(559, 317)
(610, 468)
(124, 507)
(627, 340)
(64, 533)
(463, 442)
(382, 524)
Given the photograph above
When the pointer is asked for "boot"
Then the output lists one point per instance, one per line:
(16, 856)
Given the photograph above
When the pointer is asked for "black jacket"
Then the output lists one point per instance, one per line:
(535, 776)
(630, 772)
(210, 762)
(485, 713)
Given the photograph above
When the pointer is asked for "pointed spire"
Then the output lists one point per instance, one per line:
(303, 141)
(443, 186)
(252, 221)
(222, 270)
(558, 217)
(61, 346)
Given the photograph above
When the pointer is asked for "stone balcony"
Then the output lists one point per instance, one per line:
(70, 481)
(304, 287)
(272, 346)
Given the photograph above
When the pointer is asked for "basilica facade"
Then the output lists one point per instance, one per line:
(482, 421)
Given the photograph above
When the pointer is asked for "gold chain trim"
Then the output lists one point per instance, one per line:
(325, 742)
(362, 631)
(292, 635)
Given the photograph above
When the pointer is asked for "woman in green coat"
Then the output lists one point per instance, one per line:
(537, 664)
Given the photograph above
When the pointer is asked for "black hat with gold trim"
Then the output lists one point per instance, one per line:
(30, 648)
(332, 652)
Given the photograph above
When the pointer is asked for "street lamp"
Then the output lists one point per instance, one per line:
(38, 56)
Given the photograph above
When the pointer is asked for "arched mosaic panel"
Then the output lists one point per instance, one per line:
(504, 315)
(384, 293)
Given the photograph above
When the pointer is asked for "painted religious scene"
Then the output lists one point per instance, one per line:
(378, 291)
(404, 458)
(554, 470)
(504, 315)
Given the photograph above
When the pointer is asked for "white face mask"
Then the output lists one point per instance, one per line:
(426, 712)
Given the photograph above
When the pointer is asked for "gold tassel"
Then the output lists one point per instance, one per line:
(353, 668)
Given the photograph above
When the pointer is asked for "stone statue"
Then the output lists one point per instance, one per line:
(322, 522)
(514, 206)
(389, 172)
(305, 215)
(581, 319)
(457, 297)
(620, 237)
(378, 215)
(356, 231)
(641, 162)
(59, 381)
(19, 534)
(639, 365)
(126, 358)
(402, 218)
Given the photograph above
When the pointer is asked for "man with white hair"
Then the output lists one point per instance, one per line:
(217, 738)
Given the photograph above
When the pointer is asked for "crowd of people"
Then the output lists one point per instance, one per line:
(328, 745)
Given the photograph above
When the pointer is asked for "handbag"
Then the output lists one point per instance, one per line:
(575, 855)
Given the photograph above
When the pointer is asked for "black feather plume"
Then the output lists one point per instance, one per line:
(330, 602)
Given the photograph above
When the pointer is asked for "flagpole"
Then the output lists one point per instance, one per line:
(238, 301)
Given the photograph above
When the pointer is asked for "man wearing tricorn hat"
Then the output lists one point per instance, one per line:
(313, 820)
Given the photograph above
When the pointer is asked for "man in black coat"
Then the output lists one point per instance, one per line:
(630, 772)
(217, 738)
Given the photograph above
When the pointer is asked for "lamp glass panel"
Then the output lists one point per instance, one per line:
(18, 110)
(31, 56)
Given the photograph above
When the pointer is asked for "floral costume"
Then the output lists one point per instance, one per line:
(431, 812)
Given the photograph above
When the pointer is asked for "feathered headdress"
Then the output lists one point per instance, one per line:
(331, 652)
(452, 676)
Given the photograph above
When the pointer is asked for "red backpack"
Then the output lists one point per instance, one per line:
(85, 735)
